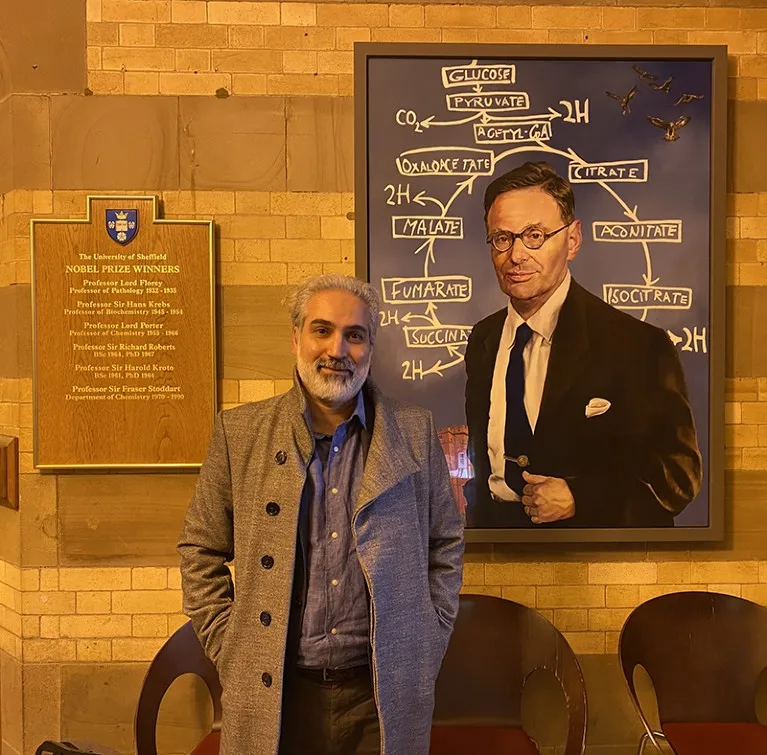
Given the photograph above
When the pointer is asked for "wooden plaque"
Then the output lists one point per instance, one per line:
(124, 338)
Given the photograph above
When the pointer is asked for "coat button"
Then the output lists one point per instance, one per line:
(267, 562)
(272, 508)
(266, 679)
(281, 457)
(266, 618)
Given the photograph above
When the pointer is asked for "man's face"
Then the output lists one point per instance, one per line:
(525, 275)
(333, 347)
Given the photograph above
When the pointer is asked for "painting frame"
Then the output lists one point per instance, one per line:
(717, 56)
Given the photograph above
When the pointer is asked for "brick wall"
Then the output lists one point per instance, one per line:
(242, 111)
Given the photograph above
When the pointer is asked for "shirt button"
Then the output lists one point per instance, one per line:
(334, 491)
(334, 535)
(280, 457)
(266, 679)
(272, 508)
(267, 562)
(333, 631)
(266, 618)
(334, 582)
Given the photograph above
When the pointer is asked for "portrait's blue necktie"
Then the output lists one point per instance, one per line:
(518, 435)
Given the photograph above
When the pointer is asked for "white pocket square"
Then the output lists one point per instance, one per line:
(597, 406)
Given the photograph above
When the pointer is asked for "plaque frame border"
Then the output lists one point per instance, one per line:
(156, 203)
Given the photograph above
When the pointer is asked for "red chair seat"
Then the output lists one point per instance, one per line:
(209, 745)
(717, 739)
(487, 740)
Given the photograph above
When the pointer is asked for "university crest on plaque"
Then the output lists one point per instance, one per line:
(122, 225)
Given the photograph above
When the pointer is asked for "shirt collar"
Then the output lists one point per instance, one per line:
(544, 321)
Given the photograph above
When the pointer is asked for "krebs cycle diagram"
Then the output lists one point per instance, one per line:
(489, 99)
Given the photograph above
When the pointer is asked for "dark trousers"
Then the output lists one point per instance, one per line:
(329, 718)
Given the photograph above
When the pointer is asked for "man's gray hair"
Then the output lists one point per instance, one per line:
(298, 299)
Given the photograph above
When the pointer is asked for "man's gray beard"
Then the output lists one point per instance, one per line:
(327, 388)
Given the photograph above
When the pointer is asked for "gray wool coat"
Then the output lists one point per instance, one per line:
(409, 538)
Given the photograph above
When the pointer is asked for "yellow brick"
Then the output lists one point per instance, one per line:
(252, 227)
(30, 626)
(761, 203)
(47, 603)
(140, 11)
(674, 572)
(300, 272)
(466, 16)
(723, 18)
(619, 19)
(174, 574)
(406, 15)
(94, 651)
(30, 580)
(305, 203)
(246, 37)
(256, 250)
(741, 436)
(249, 83)
(105, 82)
(733, 458)
(754, 228)
(301, 84)
(188, 12)
(582, 596)
(631, 573)
(247, 61)
(303, 227)
(742, 250)
(94, 602)
(137, 35)
(192, 60)
(300, 251)
(752, 18)
(292, 38)
(150, 625)
(570, 573)
(282, 386)
(337, 228)
(93, 58)
(407, 35)
(671, 18)
(571, 17)
(149, 59)
(612, 37)
(176, 621)
(514, 16)
(763, 435)
(473, 573)
(726, 589)
(460, 36)
(95, 626)
(50, 627)
(49, 651)
(49, 580)
(192, 36)
(146, 601)
(244, 13)
(333, 61)
(756, 593)
(670, 37)
(138, 82)
(253, 274)
(299, 61)
(572, 619)
(607, 619)
(298, 14)
(725, 571)
(754, 412)
(193, 83)
(352, 14)
(136, 649)
(11, 621)
(100, 35)
(738, 42)
(481, 590)
(566, 37)
(518, 593)
(149, 578)
(763, 571)
(256, 390)
(115, 578)
(92, 10)
(586, 643)
(341, 268)
(754, 459)
(741, 389)
(743, 89)
(215, 202)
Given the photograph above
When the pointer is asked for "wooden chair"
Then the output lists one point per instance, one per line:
(496, 645)
(704, 653)
(181, 654)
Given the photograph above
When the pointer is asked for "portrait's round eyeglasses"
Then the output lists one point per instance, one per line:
(532, 238)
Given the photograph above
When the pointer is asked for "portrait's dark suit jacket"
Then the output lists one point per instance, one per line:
(636, 465)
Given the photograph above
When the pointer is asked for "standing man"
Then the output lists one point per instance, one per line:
(578, 413)
(336, 503)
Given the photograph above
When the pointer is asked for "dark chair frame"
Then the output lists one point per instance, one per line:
(711, 642)
(508, 642)
(181, 654)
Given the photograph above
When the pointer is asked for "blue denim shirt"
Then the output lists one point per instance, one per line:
(335, 628)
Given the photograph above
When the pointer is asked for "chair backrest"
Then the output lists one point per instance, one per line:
(703, 651)
(496, 645)
(181, 654)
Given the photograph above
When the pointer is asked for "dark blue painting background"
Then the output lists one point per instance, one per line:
(677, 188)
